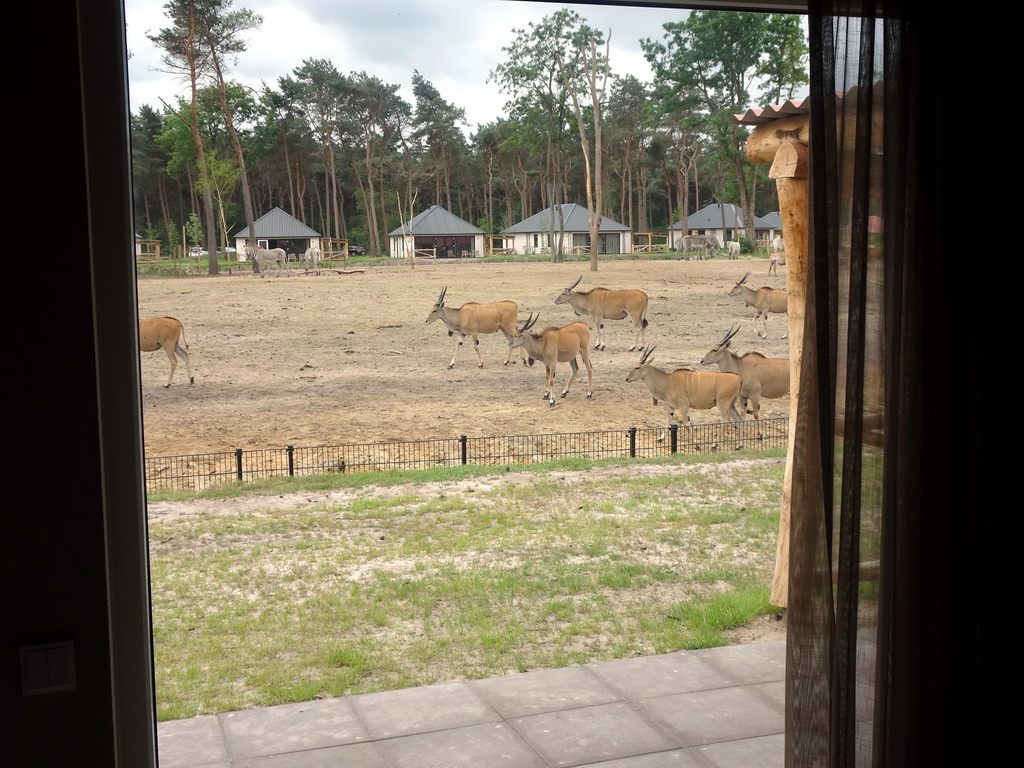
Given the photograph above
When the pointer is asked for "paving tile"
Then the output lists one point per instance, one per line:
(725, 714)
(547, 690)
(418, 710)
(355, 755)
(196, 741)
(291, 728)
(752, 663)
(591, 734)
(675, 758)
(669, 673)
(476, 746)
(760, 752)
(773, 693)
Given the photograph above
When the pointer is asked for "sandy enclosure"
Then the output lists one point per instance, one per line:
(320, 360)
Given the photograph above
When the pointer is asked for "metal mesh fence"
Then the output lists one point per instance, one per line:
(198, 471)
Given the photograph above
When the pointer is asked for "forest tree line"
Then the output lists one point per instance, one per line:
(349, 156)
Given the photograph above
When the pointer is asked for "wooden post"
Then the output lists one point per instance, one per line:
(783, 143)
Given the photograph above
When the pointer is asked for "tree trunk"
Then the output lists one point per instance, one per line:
(236, 144)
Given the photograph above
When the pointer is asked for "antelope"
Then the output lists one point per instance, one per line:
(763, 300)
(734, 248)
(557, 345)
(164, 333)
(761, 376)
(472, 319)
(774, 260)
(311, 258)
(261, 256)
(602, 304)
(683, 389)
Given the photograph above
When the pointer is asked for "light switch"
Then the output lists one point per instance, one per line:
(47, 668)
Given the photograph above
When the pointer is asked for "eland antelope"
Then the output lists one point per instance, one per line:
(165, 333)
(311, 258)
(763, 300)
(603, 304)
(733, 247)
(683, 389)
(557, 345)
(761, 376)
(472, 319)
(262, 256)
(700, 243)
(776, 259)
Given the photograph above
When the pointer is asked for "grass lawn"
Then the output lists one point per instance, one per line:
(288, 592)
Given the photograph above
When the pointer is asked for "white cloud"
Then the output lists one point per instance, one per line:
(454, 44)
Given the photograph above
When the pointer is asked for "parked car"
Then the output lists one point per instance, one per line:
(356, 250)
(195, 251)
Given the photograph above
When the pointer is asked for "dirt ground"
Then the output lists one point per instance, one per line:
(321, 360)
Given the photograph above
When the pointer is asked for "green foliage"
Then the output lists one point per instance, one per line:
(725, 61)
(194, 228)
(355, 142)
(716, 63)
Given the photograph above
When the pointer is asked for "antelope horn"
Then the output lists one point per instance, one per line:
(440, 299)
(743, 279)
(532, 321)
(729, 335)
(575, 284)
(646, 355)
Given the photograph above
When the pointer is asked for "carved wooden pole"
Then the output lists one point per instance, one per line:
(783, 143)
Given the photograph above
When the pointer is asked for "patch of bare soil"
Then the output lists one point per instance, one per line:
(320, 360)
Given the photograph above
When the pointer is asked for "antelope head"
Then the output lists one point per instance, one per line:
(527, 325)
(563, 297)
(715, 353)
(435, 311)
(638, 370)
(521, 329)
(738, 285)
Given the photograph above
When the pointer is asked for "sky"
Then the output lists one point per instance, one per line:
(454, 44)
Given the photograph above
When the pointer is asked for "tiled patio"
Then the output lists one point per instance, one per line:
(715, 708)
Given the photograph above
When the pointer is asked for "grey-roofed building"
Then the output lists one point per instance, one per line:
(540, 231)
(277, 229)
(768, 226)
(726, 222)
(437, 232)
(721, 219)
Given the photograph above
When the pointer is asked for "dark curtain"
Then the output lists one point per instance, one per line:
(886, 530)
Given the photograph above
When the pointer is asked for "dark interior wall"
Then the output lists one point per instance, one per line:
(70, 546)
(54, 570)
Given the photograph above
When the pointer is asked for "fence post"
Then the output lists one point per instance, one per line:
(462, 444)
(632, 442)
(673, 437)
(291, 460)
(238, 463)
